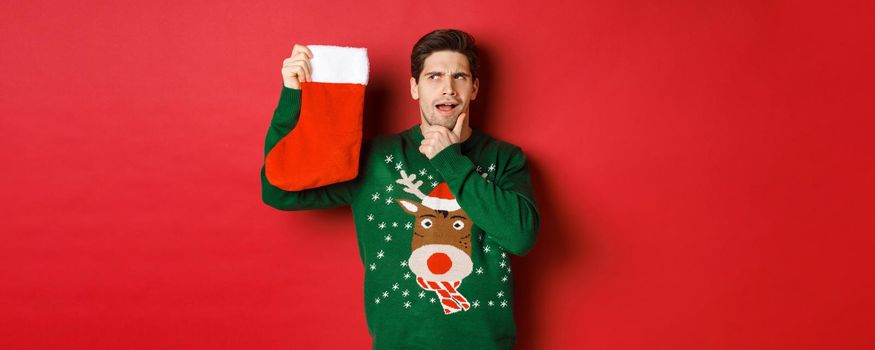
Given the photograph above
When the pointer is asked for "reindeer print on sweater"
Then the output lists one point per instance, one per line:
(441, 244)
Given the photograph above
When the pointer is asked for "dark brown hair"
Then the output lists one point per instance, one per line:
(443, 40)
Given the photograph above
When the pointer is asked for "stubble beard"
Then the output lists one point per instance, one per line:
(448, 122)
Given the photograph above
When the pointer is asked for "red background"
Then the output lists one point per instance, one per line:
(703, 169)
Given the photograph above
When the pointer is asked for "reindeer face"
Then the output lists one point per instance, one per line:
(441, 242)
(439, 226)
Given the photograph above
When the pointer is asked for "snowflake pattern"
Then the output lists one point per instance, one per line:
(389, 158)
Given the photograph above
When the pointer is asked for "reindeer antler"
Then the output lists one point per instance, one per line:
(410, 186)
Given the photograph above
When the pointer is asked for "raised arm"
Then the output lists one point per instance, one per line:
(505, 209)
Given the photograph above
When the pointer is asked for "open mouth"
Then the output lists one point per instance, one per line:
(446, 107)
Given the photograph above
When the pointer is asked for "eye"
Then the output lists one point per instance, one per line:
(426, 223)
(458, 224)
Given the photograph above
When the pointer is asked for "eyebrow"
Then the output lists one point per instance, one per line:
(457, 216)
(429, 74)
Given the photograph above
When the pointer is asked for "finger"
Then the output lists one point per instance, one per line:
(431, 134)
(289, 71)
(459, 123)
(297, 72)
(436, 134)
(309, 71)
(298, 48)
(306, 68)
(302, 68)
(296, 63)
(302, 59)
(440, 132)
(300, 56)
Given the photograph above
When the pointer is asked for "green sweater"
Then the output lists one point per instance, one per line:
(490, 182)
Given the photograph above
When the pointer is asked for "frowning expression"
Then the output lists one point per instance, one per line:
(445, 88)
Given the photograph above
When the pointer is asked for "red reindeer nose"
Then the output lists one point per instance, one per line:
(439, 263)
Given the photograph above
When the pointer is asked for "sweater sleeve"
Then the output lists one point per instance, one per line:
(505, 208)
(285, 117)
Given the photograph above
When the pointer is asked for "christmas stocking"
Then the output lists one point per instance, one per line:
(323, 148)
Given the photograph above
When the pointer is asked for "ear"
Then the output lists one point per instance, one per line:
(410, 207)
(414, 91)
(476, 88)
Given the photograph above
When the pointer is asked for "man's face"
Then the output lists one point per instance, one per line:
(445, 88)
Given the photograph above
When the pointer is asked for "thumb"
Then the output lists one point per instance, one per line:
(460, 122)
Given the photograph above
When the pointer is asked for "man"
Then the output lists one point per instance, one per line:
(438, 208)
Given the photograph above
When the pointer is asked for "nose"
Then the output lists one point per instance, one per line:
(448, 88)
(439, 263)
